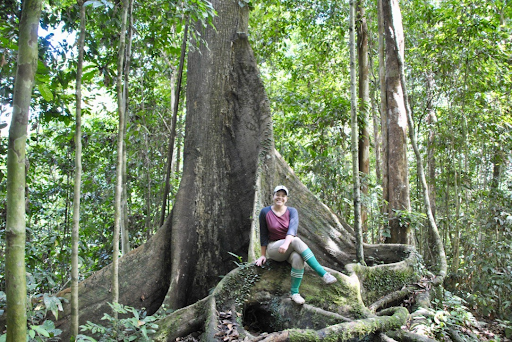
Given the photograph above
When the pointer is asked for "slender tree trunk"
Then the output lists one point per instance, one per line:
(125, 238)
(431, 157)
(173, 126)
(456, 230)
(498, 160)
(440, 253)
(397, 166)
(364, 103)
(147, 158)
(431, 162)
(78, 177)
(121, 106)
(15, 276)
(383, 113)
(375, 122)
(377, 143)
(355, 134)
(66, 236)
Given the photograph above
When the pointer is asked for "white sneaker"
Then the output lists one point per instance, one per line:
(329, 278)
(297, 298)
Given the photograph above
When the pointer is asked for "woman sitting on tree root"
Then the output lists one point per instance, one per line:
(279, 241)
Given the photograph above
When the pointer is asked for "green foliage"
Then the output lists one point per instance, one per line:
(302, 56)
(488, 266)
(450, 315)
(136, 327)
(39, 329)
(240, 261)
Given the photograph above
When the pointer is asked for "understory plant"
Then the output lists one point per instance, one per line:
(39, 328)
(137, 327)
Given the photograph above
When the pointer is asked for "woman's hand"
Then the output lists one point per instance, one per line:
(261, 260)
(283, 248)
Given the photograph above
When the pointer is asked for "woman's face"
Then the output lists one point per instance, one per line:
(280, 197)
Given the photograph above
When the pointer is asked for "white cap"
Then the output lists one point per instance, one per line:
(281, 187)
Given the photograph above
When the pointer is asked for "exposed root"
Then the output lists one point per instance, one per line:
(405, 336)
(251, 304)
(182, 322)
(391, 298)
(344, 331)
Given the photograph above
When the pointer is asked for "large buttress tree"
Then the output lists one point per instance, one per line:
(230, 167)
(227, 123)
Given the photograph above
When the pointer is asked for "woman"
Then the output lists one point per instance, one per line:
(279, 241)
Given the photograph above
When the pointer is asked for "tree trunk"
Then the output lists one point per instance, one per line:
(78, 177)
(354, 141)
(227, 108)
(456, 227)
(364, 103)
(396, 162)
(175, 107)
(15, 276)
(431, 162)
(121, 108)
(125, 236)
(439, 247)
(383, 116)
(498, 160)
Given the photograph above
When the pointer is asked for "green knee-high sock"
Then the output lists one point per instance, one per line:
(310, 259)
(296, 279)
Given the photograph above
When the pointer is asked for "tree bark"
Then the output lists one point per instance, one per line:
(15, 276)
(364, 103)
(125, 236)
(383, 115)
(75, 238)
(439, 247)
(397, 167)
(121, 109)
(431, 162)
(228, 110)
(175, 106)
(354, 135)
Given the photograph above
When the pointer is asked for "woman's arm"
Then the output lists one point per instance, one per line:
(263, 227)
(294, 222)
(263, 237)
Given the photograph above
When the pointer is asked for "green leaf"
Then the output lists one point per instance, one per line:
(8, 44)
(89, 75)
(53, 304)
(45, 92)
(40, 330)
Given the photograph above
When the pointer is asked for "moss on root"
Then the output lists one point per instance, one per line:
(352, 330)
(377, 281)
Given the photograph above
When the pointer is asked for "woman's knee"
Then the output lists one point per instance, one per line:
(296, 261)
(298, 245)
